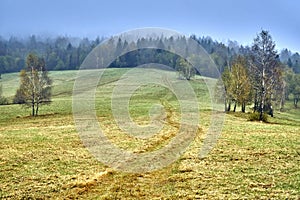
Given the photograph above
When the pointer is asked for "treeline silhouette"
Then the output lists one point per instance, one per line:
(68, 53)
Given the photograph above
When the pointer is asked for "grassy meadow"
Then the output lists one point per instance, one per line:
(43, 157)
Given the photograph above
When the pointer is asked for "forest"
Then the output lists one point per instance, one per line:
(67, 53)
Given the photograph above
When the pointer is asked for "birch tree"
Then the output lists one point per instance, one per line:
(264, 70)
(35, 84)
(240, 87)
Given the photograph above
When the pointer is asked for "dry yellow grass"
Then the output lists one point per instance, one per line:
(44, 158)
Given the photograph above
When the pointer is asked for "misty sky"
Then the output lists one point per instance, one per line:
(238, 20)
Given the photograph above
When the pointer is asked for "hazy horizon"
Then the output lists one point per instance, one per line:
(221, 20)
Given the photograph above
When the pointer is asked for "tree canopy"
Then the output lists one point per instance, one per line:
(35, 85)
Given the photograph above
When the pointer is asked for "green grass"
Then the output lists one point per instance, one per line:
(44, 158)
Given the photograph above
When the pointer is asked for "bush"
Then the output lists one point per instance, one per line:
(255, 117)
(3, 101)
(19, 97)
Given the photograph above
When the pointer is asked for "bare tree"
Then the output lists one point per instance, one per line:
(265, 67)
(35, 85)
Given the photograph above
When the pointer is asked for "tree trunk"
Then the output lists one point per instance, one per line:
(234, 108)
(229, 106)
(287, 96)
(33, 91)
(33, 108)
(282, 101)
(261, 109)
(263, 96)
(271, 111)
(255, 102)
(37, 110)
(243, 107)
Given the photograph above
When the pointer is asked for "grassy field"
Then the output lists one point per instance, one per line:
(43, 157)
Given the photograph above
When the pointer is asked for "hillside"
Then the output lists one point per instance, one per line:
(44, 157)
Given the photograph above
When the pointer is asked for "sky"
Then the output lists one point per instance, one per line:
(237, 20)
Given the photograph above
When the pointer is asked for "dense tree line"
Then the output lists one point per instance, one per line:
(67, 53)
(61, 53)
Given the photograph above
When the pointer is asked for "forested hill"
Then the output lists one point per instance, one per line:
(67, 53)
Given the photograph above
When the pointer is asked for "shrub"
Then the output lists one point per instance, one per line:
(19, 97)
(3, 101)
(255, 117)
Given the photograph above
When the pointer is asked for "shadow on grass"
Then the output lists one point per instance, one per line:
(46, 115)
(280, 118)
